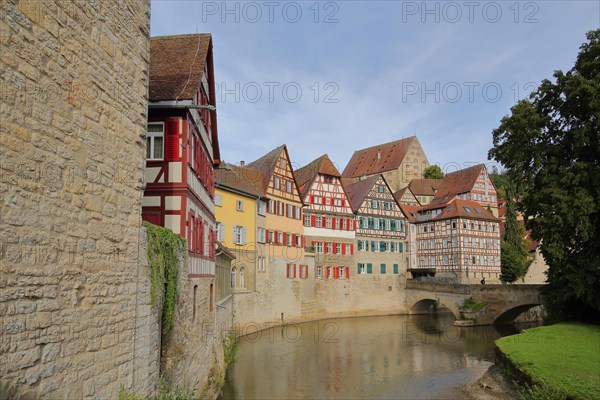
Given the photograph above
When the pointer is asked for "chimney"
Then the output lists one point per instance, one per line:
(242, 163)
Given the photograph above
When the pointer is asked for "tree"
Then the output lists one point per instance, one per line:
(550, 148)
(434, 172)
(499, 179)
(514, 248)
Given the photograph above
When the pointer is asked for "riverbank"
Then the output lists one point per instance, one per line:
(493, 385)
(561, 360)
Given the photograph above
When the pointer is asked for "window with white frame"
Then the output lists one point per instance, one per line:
(220, 231)
(375, 204)
(288, 239)
(432, 261)
(348, 251)
(280, 237)
(261, 207)
(319, 272)
(306, 220)
(388, 225)
(362, 268)
(239, 205)
(155, 137)
(239, 234)
(218, 200)
(261, 235)
(328, 222)
(288, 186)
(271, 237)
(289, 211)
(298, 241)
(276, 182)
(319, 247)
(296, 210)
(318, 222)
(338, 248)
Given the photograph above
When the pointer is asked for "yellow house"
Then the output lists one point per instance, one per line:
(285, 230)
(240, 210)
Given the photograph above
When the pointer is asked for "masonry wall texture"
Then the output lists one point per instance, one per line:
(76, 316)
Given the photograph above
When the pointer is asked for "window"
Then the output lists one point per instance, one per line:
(306, 220)
(319, 247)
(261, 207)
(432, 261)
(271, 236)
(242, 281)
(464, 224)
(375, 204)
(474, 260)
(318, 222)
(155, 137)
(362, 268)
(445, 260)
(453, 224)
(445, 243)
(220, 231)
(359, 245)
(382, 269)
(239, 234)
(298, 240)
(348, 248)
(317, 199)
(289, 239)
(376, 223)
(288, 186)
(338, 248)
(381, 189)
(282, 163)
(276, 182)
(239, 205)
(261, 235)
(233, 273)
(467, 209)
(319, 272)
(280, 237)
(296, 210)
(218, 200)
(271, 207)
(328, 222)
(261, 264)
(328, 247)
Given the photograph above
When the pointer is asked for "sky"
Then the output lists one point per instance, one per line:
(338, 76)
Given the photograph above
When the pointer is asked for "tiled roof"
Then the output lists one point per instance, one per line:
(462, 208)
(424, 187)
(176, 65)
(377, 159)
(239, 179)
(359, 190)
(266, 166)
(305, 176)
(411, 212)
(457, 182)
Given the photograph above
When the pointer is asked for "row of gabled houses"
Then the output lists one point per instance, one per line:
(279, 235)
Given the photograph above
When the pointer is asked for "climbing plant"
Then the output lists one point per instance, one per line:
(164, 249)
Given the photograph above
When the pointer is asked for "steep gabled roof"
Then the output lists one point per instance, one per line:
(457, 182)
(266, 166)
(424, 187)
(377, 159)
(306, 175)
(238, 179)
(401, 193)
(177, 65)
(463, 209)
(359, 190)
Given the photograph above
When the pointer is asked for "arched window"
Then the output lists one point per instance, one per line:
(233, 272)
(242, 281)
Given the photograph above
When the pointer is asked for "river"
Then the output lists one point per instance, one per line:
(388, 357)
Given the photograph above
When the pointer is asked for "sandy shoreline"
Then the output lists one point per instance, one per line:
(491, 386)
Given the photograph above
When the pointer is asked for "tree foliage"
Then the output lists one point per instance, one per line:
(499, 179)
(550, 148)
(514, 248)
(434, 172)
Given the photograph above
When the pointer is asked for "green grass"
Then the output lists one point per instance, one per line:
(563, 359)
(473, 306)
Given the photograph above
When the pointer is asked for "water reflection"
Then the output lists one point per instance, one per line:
(420, 356)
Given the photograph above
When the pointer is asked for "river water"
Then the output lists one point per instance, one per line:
(389, 357)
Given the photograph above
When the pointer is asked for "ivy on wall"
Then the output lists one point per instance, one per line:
(164, 250)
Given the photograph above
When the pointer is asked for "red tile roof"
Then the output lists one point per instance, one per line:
(457, 182)
(359, 190)
(177, 65)
(239, 179)
(424, 187)
(305, 176)
(377, 159)
(411, 212)
(456, 208)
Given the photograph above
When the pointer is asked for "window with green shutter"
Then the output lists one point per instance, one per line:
(373, 246)
(393, 225)
(382, 247)
(383, 269)
(371, 223)
(369, 268)
(395, 268)
(400, 247)
(360, 245)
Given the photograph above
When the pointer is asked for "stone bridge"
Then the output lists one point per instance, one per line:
(503, 303)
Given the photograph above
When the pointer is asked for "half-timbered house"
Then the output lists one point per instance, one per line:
(458, 241)
(182, 146)
(328, 218)
(381, 228)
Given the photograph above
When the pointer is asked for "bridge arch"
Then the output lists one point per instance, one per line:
(426, 306)
(509, 314)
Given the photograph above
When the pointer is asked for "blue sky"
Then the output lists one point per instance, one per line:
(333, 77)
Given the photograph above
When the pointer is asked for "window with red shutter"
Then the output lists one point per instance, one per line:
(313, 220)
(351, 249)
(312, 199)
(287, 271)
(333, 221)
(172, 128)
(347, 272)
(294, 271)
(343, 248)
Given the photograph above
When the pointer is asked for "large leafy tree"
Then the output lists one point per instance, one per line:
(434, 172)
(550, 148)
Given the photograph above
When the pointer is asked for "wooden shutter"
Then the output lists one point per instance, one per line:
(333, 221)
(358, 268)
(395, 268)
(172, 139)
(343, 248)
(287, 270)
(382, 269)
(294, 271)
(334, 250)
(347, 272)
(369, 268)
(312, 199)
(313, 221)
(351, 248)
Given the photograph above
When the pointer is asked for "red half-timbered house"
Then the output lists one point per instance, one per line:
(328, 218)
(182, 145)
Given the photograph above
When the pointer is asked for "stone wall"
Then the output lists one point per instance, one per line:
(76, 317)
(193, 352)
